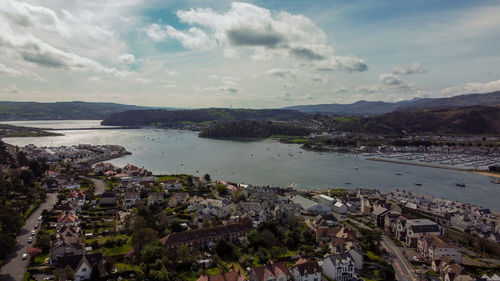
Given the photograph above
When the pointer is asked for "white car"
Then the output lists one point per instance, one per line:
(40, 218)
(32, 232)
(415, 258)
(30, 240)
(25, 256)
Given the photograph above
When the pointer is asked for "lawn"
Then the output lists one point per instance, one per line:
(121, 267)
(115, 251)
(40, 259)
(165, 178)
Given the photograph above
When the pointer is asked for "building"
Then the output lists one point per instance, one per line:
(131, 198)
(270, 272)
(339, 267)
(64, 246)
(108, 198)
(305, 270)
(207, 237)
(155, 198)
(173, 184)
(310, 206)
(232, 275)
(434, 248)
(418, 228)
(377, 216)
(82, 265)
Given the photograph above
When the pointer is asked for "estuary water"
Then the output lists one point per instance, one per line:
(265, 162)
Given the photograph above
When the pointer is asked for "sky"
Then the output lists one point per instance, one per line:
(254, 54)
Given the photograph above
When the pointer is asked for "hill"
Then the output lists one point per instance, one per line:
(379, 107)
(168, 118)
(60, 110)
(252, 129)
(463, 121)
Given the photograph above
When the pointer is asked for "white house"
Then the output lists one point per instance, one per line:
(339, 207)
(433, 248)
(305, 270)
(339, 267)
(310, 206)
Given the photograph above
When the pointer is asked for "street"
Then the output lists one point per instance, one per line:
(404, 271)
(15, 266)
(100, 186)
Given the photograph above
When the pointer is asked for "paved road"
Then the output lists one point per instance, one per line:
(100, 186)
(404, 271)
(15, 266)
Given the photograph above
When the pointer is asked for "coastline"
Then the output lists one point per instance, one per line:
(109, 158)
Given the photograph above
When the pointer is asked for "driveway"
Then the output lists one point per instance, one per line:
(100, 186)
(404, 271)
(15, 266)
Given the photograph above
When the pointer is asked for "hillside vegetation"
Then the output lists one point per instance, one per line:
(253, 129)
(60, 110)
(464, 120)
(166, 118)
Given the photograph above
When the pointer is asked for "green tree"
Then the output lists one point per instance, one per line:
(152, 252)
(224, 249)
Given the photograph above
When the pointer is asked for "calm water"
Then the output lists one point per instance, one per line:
(265, 162)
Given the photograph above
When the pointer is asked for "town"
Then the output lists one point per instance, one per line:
(101, 222)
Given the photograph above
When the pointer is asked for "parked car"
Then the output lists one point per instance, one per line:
(40, 218)
(30, 240)
(415, 258)
(49, 278)
(33, 233)
(36, 226)
(25, 256)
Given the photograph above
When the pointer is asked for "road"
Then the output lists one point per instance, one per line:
(15, 266)
(100, 186)
(404, 271)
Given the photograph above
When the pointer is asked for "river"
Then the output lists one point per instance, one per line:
(265, 162)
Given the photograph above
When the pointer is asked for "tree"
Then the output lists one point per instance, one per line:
(207, 177)
(224, 249)
(34, 251)
(63, 274)
(221, 189)
(43, 241)
(141, 237)
(185, 254)
(152, 252)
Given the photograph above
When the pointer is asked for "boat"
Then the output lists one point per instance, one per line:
(496, 181)
(460, 184)
(356, 167)
(348, 182)
(418, 183)
(399, 174)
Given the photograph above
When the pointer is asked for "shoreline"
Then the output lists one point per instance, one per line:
(92, 163)
(480, 172)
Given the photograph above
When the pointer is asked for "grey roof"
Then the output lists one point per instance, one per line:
(303, 202)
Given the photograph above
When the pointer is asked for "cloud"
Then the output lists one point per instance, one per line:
(126, 58)
(282, 73)
(9, 71)
(269, 34)
(373, 89)
(390, 79)
(339, 90)
(414, 68)
(194, 38)
(13, 89)
(470, 88)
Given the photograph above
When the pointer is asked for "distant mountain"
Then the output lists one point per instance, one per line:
(60, 110)
(460, 120)
(166, 118)
(379, 107)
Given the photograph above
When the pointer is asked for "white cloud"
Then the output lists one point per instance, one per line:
(12, 90)
(471, 88)
(339, 90)
(126, 58)
(269, 34)
(282, 73)
(390, 79)
(9, 71)
(194, 38)
(373, 89)
(414, 68)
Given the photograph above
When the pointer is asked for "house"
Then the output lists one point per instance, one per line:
(417, 228)
(64, 246)
(324, 233)
(131, 198)
(326, 200)
(207, 237)
(65, 231)
(450, 271)
(178, 199)
(270, 272)
(82, 264)
(67, 218)
(305, 270)
(231, 275)
(310, 206)
(155, 198)
(173, 184)
(377, 216)
(108, 198)
(76, 196)
(434, 248)
(103, 167)
(339, 208)
(339, 267)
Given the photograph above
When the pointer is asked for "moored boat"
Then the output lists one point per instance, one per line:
(460, 184)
